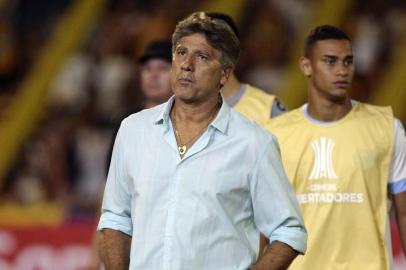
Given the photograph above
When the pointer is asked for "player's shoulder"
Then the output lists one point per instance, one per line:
(286, 120)
(255, 91)
(374, 110)
(368, 113)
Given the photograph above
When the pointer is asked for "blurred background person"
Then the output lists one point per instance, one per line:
(155, 67)
(155, 70)
(252, 102)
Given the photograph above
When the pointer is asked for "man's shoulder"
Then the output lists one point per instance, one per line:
(257, 92)
(143, 117)
(286, 120)
(246, 128)
(255, 104)
(374, 110)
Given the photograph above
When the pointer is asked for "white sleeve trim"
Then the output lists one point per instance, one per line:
(397, 174)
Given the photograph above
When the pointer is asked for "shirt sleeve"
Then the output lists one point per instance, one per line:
(276, 210)
(397, 176)
(116, 207)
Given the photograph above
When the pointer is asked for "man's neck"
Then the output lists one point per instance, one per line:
(327, 110)
(195, 113)
(231, 87)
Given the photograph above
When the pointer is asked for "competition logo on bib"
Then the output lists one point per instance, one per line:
(323, 159)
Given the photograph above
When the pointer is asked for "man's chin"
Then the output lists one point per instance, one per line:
(339, 96)
(186, 99)
(184, 94)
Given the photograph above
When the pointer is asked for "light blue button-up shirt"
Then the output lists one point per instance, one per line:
(204, 211)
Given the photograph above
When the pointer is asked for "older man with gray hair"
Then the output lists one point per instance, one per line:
(192, 183)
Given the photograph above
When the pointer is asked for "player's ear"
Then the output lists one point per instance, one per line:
(305, 66)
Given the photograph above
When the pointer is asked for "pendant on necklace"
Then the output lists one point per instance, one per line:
(182, 149)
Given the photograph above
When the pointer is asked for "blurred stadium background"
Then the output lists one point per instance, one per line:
(67, 67)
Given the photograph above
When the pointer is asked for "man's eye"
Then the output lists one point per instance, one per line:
(348, 62)
(329, 62)
(203, 57)
(180, 52)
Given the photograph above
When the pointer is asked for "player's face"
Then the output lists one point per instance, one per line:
(197, 73)
(330, 68)
(155, 80)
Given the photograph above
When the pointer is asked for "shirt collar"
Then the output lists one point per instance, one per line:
(163, 117)
(220, 122)
(305, 110)
(223, 117)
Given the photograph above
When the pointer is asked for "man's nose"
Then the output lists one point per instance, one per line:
(187, 63)
(342, 70)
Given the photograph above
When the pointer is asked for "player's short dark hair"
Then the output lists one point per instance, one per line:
(323, 32)
(226, 18)
(218, 34)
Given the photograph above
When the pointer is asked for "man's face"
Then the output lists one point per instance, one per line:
(330, 68)
(155, 80)
(196, 71)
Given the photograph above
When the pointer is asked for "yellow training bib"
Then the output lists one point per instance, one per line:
(255, 104)
(340, 174)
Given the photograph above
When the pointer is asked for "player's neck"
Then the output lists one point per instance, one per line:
(231, 87)
(326, 110)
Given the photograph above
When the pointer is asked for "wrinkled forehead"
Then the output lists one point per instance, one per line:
(197, 42)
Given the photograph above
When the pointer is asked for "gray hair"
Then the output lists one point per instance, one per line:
(218, 34)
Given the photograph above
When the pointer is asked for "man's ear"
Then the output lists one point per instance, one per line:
(305, 66)
(225, 74)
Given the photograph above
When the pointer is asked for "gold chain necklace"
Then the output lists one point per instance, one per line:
(183, 147)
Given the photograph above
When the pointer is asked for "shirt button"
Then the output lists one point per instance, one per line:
(172, 200)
